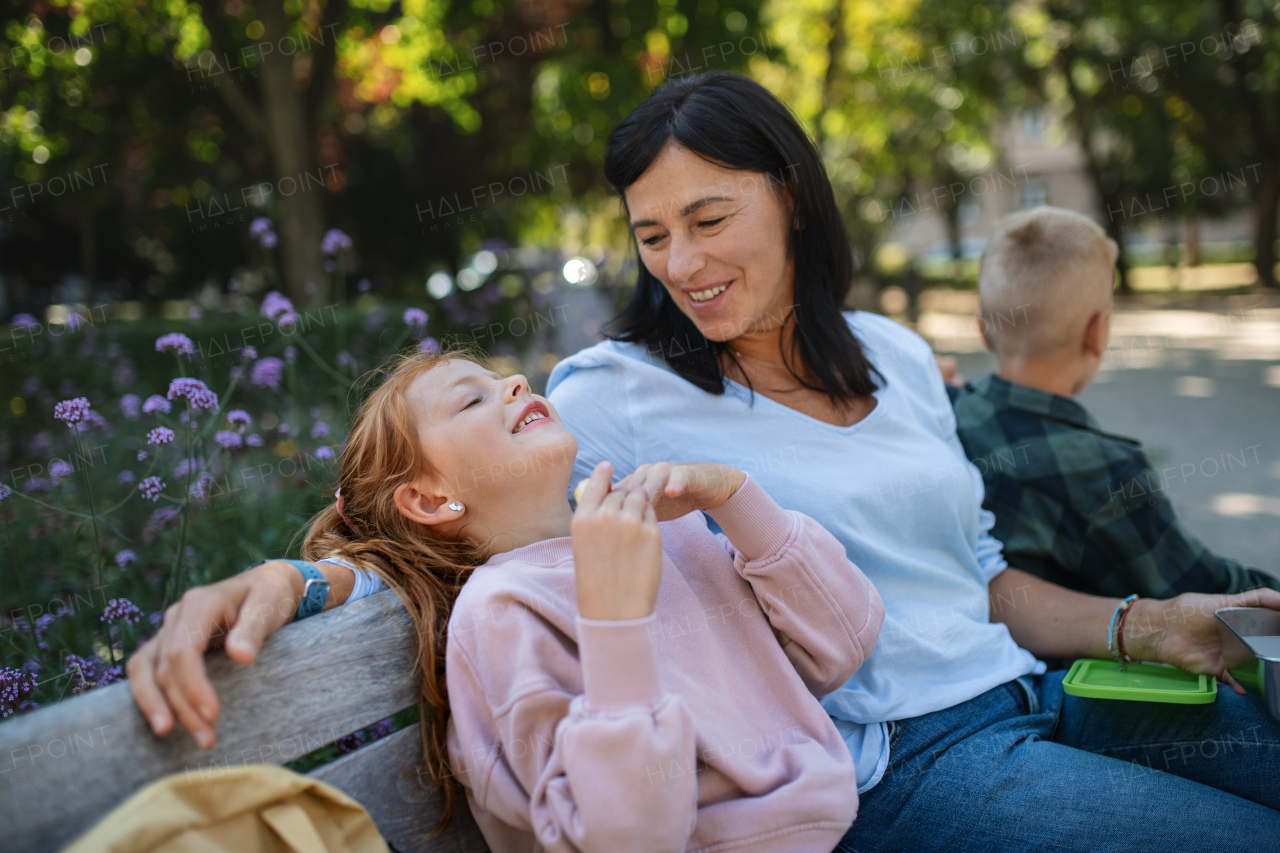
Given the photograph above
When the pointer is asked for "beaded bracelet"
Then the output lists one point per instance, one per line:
(1111, 631)
(1124, 655)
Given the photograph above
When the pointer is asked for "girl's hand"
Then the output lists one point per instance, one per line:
(1184, 632)
(617, 550)
(676, 489)
(167, 675)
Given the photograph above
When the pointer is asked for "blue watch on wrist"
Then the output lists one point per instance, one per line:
(315, 589)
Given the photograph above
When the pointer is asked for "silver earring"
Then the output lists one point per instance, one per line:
(455, 506)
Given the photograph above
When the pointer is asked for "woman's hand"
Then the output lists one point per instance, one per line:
(676, 489)
(617, 550)
(167, 675)
(1184, 632)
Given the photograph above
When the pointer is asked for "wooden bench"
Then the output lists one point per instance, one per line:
(63, 767)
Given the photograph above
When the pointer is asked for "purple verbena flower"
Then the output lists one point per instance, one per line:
(5, 491)
(319, 429)
(238, 418)
(266, 373)
(180, 470)
(160, 435)
(42, 627)
(258, 227)
(324, 452)
(155, 403)
(363, 285)
(269, 240)
(175, 342)
(126, 476)
(125, 557)
(15, 687)
(415, 318)
(335, 241)
(290, 354)
(25, 322)
(151, 488)
(36, 484)
(82, 672)
(249, 353)
(199, 491)
(160, 520)
(253, 440)
(349, 743)
(228, 440)
(429, 344)
(72, 411)
(60, 469)
(131, 406)
(276, 305)
(196, 392)
(92, 420)
(120, 610)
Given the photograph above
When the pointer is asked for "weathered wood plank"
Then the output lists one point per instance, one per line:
(380, 776)
(63, 767)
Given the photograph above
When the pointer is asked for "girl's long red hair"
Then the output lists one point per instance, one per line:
(383, 452)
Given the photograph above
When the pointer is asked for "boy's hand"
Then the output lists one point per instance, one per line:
(676, 489)
(167, 675)
(617, 551)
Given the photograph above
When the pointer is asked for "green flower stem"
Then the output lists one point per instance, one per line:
(222, 406)
(22, 589)
(340, 294)
(315, 356)
(93, 515)
(175, 577)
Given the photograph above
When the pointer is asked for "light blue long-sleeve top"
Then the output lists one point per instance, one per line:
(895, 488)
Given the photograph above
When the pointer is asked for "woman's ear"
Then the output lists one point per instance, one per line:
(419, 503)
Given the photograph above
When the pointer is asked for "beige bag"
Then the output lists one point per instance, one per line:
(254, 808)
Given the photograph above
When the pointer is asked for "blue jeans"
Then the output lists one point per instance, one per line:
(1031, 768)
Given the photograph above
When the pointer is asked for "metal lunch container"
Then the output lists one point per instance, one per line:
(1251, 648)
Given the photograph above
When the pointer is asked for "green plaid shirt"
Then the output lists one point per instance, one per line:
(1078, 506)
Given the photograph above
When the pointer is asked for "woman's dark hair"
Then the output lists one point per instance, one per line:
(736, 123)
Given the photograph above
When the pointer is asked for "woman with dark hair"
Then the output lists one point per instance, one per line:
(734, 349)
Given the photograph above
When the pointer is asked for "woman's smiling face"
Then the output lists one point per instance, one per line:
(717, 239)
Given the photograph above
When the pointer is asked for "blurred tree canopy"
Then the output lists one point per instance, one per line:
(139, 138)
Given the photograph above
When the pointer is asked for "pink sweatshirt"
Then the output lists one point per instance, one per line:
(695, 728)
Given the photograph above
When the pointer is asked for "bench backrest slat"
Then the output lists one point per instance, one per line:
(63, 767)
(404, 806)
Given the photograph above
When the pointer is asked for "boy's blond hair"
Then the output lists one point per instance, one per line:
(1043, 274)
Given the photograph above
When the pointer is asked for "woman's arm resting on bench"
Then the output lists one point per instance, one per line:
(1051, 621)
(167, 675)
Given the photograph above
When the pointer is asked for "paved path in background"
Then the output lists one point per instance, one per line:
(1201, 390)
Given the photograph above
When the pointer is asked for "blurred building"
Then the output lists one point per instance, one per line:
(1040, 161)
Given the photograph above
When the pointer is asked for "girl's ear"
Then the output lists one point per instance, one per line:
(417, 502)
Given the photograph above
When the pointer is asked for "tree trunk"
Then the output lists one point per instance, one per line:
(1265, 201)
(1108, 191)
(291, 137)
(1191, 236)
